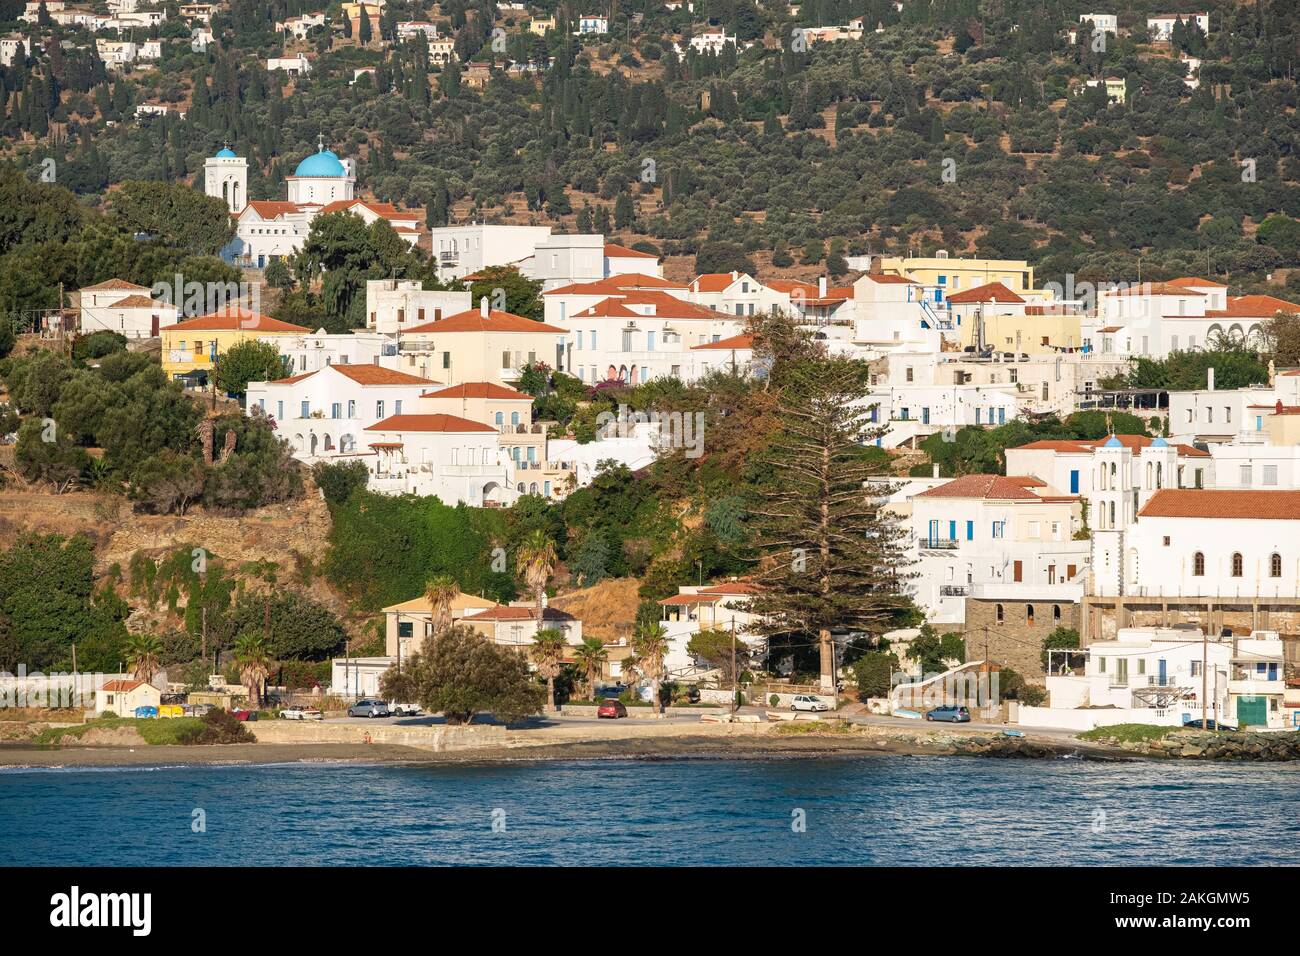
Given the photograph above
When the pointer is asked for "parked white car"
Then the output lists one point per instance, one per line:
(809, 703)
(301, 713)
(403, 710)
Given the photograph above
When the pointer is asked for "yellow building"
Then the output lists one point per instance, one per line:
(410, 622)
(956, 275)
(191, 348)
(1006, 322)
(1280, 422)
(540, 25)
(1028, 334)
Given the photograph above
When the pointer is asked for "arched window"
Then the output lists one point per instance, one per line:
(1198, 564)
(997, 613)
(1112, 515)
(1275, 565)
(1160, 474)
(501, 418)
(1056, 614)
(1236, 564)
(1029, 614)
(514, 418)
(1150, 473)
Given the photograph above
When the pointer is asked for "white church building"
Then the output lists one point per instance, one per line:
(269, 230)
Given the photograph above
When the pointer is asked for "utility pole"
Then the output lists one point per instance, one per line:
(1205, 678)
(735, 677)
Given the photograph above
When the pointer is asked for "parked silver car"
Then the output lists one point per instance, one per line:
(370, 707)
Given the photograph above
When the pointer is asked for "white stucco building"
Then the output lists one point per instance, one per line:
(1167, 677)
(995, 538)
(322, 183)
(395, 305)
(453, 458)
(122, 307)
(325, 414)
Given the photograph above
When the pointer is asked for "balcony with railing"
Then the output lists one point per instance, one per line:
(930, 543)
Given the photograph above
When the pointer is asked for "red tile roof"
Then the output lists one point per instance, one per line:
(615, 284)
(981, 486)
(272, 209)
(684, 599)
(1186, 282)
(382, 209)
(479, 390)
(1154, 288)
(233, 320)
(140, 302)
(731, 587)
(665, 306)
(473, 320)
(1205, 503)
(292, 379)
(428, 423)
(1252, 307)
(122, 686)
(507, 613)
(378, 375)
(790, 285)
(713, 281)
(989, 292)
(621, 252)
(884, 279)
(120, 285)
(741, 341)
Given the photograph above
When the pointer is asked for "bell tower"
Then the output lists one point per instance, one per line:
(225, 176)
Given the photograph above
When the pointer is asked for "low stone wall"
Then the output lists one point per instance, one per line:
(439, 737)
(644, 712)
(443, 738)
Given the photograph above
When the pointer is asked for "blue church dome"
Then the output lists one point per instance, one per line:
(324, 163)
(1159, 443)
(1113, 443)
(226, 153)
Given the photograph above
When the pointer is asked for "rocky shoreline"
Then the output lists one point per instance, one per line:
(1216, 745)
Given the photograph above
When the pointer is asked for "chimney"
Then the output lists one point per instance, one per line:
(821, 288)
(1209, 378)
(483, 310)
(1278, 408)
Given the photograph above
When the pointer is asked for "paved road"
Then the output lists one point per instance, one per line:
(693, 717)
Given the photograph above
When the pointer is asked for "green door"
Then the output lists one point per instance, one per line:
(1252, 711)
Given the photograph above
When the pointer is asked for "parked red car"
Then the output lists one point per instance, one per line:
(611, 708)
(243, 714)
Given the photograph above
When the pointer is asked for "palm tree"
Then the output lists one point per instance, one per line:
(631, 669)
(535, 563)
(254, 663)
(547, 653)
(440, 592)
(142, 652)
(651, 647)
(590, 657)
